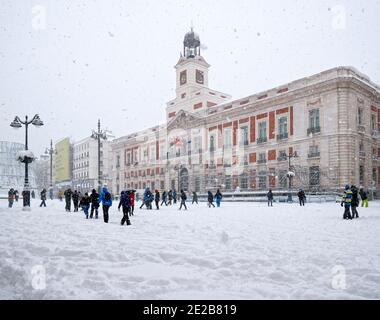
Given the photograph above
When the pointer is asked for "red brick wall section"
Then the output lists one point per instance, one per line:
(272, 178)
(283, 110)
(220, 136)
(291, 121)
(198, 106)
(252, 135)
(290, 150)
(271, 155)
(272, 128)
(243, 120)
(157, 170)
(228, 124)
(234, 133)
(148, 171)
(378, 119)
(252, 157)
(157, 150)
(261, 116)
(172, 114)
(210, 104)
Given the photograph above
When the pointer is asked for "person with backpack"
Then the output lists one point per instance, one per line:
(270, 198)
(43, 197)
(94, 199)
(183, 200)
(125, 203)
(218, 198)
(195, 198)
(210, 199)
(364, 197)
(106, 199)
(157, 199)
(354, 202)
(346, 202)
(85, 204)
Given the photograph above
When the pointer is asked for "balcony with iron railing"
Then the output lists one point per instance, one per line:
(261, 140)
(282, 136)
(314, 130)
(314, 154)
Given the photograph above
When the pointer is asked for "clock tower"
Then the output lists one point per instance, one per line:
(192, 92)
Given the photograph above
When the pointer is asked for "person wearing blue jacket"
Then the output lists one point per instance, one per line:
(125, 202)
(106, 199)
(218, 198)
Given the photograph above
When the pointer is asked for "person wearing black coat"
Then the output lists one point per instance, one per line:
(43, 198)
(364, 197)
(270, 198)
(170, 197)
(195, 198)
(301, 197)
(164, 197)
(94, 199)
(11, 197)
(157, 199)
(183, 200)
(68, 194)
(210, 199)
(354, 202)
(125, 203)
(76, 200)
(85, 204)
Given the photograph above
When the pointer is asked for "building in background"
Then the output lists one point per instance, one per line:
(62, 164)
(12, 172)
(41, 168)
(331, 120)
(85, 163)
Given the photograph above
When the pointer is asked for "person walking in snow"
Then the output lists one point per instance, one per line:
(218, 198)
(364, 197)
(33, 194)
(85, 204)
(164, 197)
(125, 203)
(43, 197)
(354, 202)
(11, 196)
(183, 200)
(16, 195)
(75, 197)
(170, 197)
(270, 198)
(68, 194)
(301, 197)
(94, 200)
(157, 199)
(147, 199)
(195, 198)
(106, 199)
(346, 202)
(175, 196)
(210, 199)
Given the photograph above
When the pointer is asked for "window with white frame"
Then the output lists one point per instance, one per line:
(262, 130)
(283, 126)
(244, 136)
(227, 138)
(152, 153)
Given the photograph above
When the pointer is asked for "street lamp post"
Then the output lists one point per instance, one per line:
(26, 157)
(98, 136)
(51, 151)
(290, 175)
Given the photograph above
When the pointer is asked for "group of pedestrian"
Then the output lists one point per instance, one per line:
(167, 198)
(210, 198)
(350, 201)
(12, 197)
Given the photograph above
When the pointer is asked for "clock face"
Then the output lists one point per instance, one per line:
(199, 76)
(183, 77)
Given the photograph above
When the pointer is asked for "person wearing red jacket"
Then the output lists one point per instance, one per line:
(131, 194)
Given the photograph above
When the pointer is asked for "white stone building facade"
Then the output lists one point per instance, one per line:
(329, 121)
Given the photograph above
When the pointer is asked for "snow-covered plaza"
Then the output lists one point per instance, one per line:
(238, 251)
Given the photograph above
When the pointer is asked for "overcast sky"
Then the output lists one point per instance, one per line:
(75, 61)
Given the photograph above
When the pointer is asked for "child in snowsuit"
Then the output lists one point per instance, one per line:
(346, 202)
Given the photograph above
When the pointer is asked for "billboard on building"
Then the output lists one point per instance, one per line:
(62, 161)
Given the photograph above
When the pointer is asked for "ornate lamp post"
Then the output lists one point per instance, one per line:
(98, 136)
(51, 151)
(26, 156)
(290, 174)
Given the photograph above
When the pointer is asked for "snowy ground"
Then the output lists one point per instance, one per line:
(240, 251)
